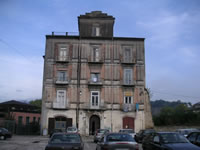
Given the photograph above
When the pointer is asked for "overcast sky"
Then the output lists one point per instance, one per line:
(170, 28)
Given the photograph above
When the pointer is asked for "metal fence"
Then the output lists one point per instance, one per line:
(29, 129)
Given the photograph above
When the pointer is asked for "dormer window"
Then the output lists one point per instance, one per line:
(95, 30)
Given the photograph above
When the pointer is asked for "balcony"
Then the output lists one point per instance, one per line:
(128, 107)
(59, 105)
(62, 59)
(128, 60)
(129, 83)
(62, 81)
(94, 60)
(95, 82)
(88, 106)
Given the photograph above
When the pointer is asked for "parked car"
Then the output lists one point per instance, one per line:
(65, 141)
(99, 134)
(194, 138)
(167, 141)
(55, 131)
(4, 134)
(117, 141)
(142, 133)
(72, 130)
(185, 132)
(129, 131)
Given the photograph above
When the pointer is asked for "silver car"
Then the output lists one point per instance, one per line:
(129, 131)
(99, 134)
(117, 141)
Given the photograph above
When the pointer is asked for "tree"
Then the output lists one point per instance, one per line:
(37, 102)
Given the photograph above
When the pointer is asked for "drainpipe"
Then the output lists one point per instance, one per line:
(78, 82)
(112, 85)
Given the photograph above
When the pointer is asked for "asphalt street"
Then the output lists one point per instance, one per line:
(36, 143)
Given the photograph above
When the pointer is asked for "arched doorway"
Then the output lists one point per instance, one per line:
(94, 124)
(128, 123)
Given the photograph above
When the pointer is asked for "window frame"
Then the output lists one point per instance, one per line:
(63, 49)
(98, 100)
(96, 76)
(130, 101)
(61, 101)
(60, 77)
(129, 80)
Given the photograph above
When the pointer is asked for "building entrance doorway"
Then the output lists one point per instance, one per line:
(94, 124)
(128, 123)
(59, 122)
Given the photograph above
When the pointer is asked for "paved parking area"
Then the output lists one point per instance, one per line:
(37, 143)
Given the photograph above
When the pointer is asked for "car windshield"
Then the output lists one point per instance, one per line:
(101, 131)
(71, 129)
(65, 138)
(149, 131)
(127, 131)
(186, 131)
(173, 138)
(3, 129)
(119, 137)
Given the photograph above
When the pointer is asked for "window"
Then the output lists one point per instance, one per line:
(198, 139)
(62, 53)
(95, 77)
(192, 137)
(62, 76)
(34, 119)
(61, 97)
(38, 119)
(128, 76)
(96, 30)
(96, 53)
(128, 100)
(95, 99)
(27, 120)
(127, 54)
(20, 120)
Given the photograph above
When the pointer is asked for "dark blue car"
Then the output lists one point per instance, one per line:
(167, 141)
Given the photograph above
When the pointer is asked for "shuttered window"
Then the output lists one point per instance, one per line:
(61, 97)
(128, 76)
(63, 53)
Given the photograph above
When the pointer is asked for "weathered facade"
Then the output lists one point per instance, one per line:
(95, 80)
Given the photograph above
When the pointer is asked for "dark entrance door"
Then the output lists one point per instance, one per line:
(59, 122)
(128, 123)
(94, 124)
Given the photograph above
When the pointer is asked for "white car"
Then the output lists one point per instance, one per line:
(129, 131)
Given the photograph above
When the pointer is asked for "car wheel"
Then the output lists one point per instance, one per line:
(2, 137)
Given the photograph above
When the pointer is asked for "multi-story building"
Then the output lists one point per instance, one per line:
(95, 80)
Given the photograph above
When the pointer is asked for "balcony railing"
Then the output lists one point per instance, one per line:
(128, 60)
(89, 106)
(95, 82)
(128, 83)
(128, 107)
(59, 105)
(62, 59)
(95, 60)
(61, 81)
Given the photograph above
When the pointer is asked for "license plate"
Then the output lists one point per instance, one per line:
(121, 149)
